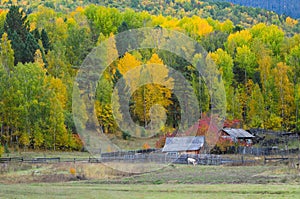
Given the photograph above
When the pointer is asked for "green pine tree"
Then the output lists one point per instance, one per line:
(31, 46)
(45, 41)
(17, 27)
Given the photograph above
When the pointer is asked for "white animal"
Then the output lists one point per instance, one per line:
(191, 160)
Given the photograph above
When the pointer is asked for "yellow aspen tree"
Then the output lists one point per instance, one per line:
(60, 91)
(291, 22)
(237, 39)
(150, 94)
(57, 128)
(196, 26)
(61, 28)
(6, 53)
(38, 58)
(225, 64)
(246, 61)
(256, 108)
(271, 35)
(285, 94)
(127, 62)
(2, 19)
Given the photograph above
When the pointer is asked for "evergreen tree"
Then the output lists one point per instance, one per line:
(36, 34)
(23, 42)
(123, 27)
(31, 46)
(18, 47)
(16, 21)
(45, 41)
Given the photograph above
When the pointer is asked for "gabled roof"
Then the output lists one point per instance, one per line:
(237, 133)
(189, 143)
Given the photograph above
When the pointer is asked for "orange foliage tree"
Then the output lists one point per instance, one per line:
(223, 144)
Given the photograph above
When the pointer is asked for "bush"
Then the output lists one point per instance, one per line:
(6, 149)
(224, 144)
(1, 150)
(146, 146)
(72, 171)
(126, 135)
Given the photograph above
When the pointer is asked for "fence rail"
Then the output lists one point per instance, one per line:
(263, 151)
(48, 160)
(12, 159)
(275, 159)
(159, 157)
(202, 159)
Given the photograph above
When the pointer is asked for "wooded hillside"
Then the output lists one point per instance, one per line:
(257, 52)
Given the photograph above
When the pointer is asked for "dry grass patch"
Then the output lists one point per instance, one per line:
(56, 172)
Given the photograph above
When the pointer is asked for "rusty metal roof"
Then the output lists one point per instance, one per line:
(237, 133)
(188, 143)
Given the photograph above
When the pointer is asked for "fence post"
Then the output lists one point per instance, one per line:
(242, 159)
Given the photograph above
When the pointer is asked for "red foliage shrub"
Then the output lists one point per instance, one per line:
(235, 123)
(224, 143)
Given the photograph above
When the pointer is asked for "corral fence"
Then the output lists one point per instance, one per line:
(263, 151)
(48, 160)
(154, 156)
(159, 157)
(245, 155)
(130, 158)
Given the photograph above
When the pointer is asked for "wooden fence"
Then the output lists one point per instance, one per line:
(156, 156)
(48, 160)
(263, 151)
(206, 159)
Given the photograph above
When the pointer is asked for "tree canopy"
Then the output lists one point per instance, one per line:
(43, 47)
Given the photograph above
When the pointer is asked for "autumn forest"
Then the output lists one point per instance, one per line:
(43, 45)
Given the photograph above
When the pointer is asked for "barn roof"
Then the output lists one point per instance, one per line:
(237, 133)
(188, 143)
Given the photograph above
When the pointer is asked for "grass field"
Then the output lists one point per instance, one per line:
(168, 191)
(94, 180)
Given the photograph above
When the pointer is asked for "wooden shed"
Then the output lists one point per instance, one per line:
(184, 145)
(237, 135)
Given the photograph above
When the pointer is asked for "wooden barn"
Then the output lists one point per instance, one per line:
(184, 145)
(237, 135)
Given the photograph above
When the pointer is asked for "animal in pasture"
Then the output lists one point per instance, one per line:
(191, 160)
